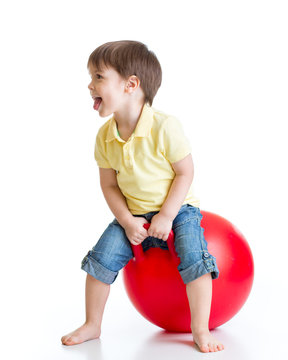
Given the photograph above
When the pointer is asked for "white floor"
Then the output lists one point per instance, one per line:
(39, 321)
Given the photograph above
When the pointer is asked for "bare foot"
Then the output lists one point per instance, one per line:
(83, 333)
(206, 342)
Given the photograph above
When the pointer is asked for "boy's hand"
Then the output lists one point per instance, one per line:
(135, 231)
(160, 227)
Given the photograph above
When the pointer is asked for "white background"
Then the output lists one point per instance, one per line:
(224, 76)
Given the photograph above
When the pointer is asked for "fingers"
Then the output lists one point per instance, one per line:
(165, 237)
(136, 240)
(158, 235)
(143, 234)
(133, 242)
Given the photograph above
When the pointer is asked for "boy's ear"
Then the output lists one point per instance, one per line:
(132, 83)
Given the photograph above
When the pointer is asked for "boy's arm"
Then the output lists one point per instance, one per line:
(116, 201)
(162, 222)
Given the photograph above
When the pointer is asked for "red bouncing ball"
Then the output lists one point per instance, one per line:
(157, 291)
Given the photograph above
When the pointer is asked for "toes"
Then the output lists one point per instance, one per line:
(63, 339)
(215, 347)
(204, 348)
(220, 347)
(68, 340)
(211, 347)
(207, 343)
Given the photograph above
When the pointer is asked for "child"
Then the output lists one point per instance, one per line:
(146, 171)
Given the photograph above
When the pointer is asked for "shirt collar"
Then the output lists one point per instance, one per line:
(143, 127)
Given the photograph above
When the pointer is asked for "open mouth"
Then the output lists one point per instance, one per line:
(97, 102)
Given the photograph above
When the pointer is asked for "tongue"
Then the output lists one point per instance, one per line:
(97, 103)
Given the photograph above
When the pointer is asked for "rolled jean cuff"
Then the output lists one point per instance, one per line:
(98, 271)
(200, 268)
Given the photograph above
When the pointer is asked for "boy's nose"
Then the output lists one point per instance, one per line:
(90, 86)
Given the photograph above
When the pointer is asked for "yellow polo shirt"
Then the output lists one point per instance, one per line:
(143, 162)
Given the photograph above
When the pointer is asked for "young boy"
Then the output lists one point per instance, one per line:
(146, 171)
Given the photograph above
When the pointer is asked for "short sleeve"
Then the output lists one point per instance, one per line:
(100, 152)
(175, 144)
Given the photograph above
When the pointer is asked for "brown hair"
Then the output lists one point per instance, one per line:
(130, 58)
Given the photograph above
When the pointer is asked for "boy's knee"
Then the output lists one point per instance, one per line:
(97, 270)
(197, 269)
(110, 254)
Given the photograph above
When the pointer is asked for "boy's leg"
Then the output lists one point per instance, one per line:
(197, 267)
(102, 264)
(199, 294)
(96, 296)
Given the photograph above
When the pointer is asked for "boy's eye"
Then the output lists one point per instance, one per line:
(98, 76)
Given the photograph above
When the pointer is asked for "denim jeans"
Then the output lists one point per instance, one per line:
(113, 250)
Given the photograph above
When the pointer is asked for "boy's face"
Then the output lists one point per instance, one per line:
(107, 89)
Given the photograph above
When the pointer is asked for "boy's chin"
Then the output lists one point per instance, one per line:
(104, 114)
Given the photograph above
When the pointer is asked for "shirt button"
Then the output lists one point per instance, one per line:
(206, 254)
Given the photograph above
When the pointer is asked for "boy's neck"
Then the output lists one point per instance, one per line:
(129, 117)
